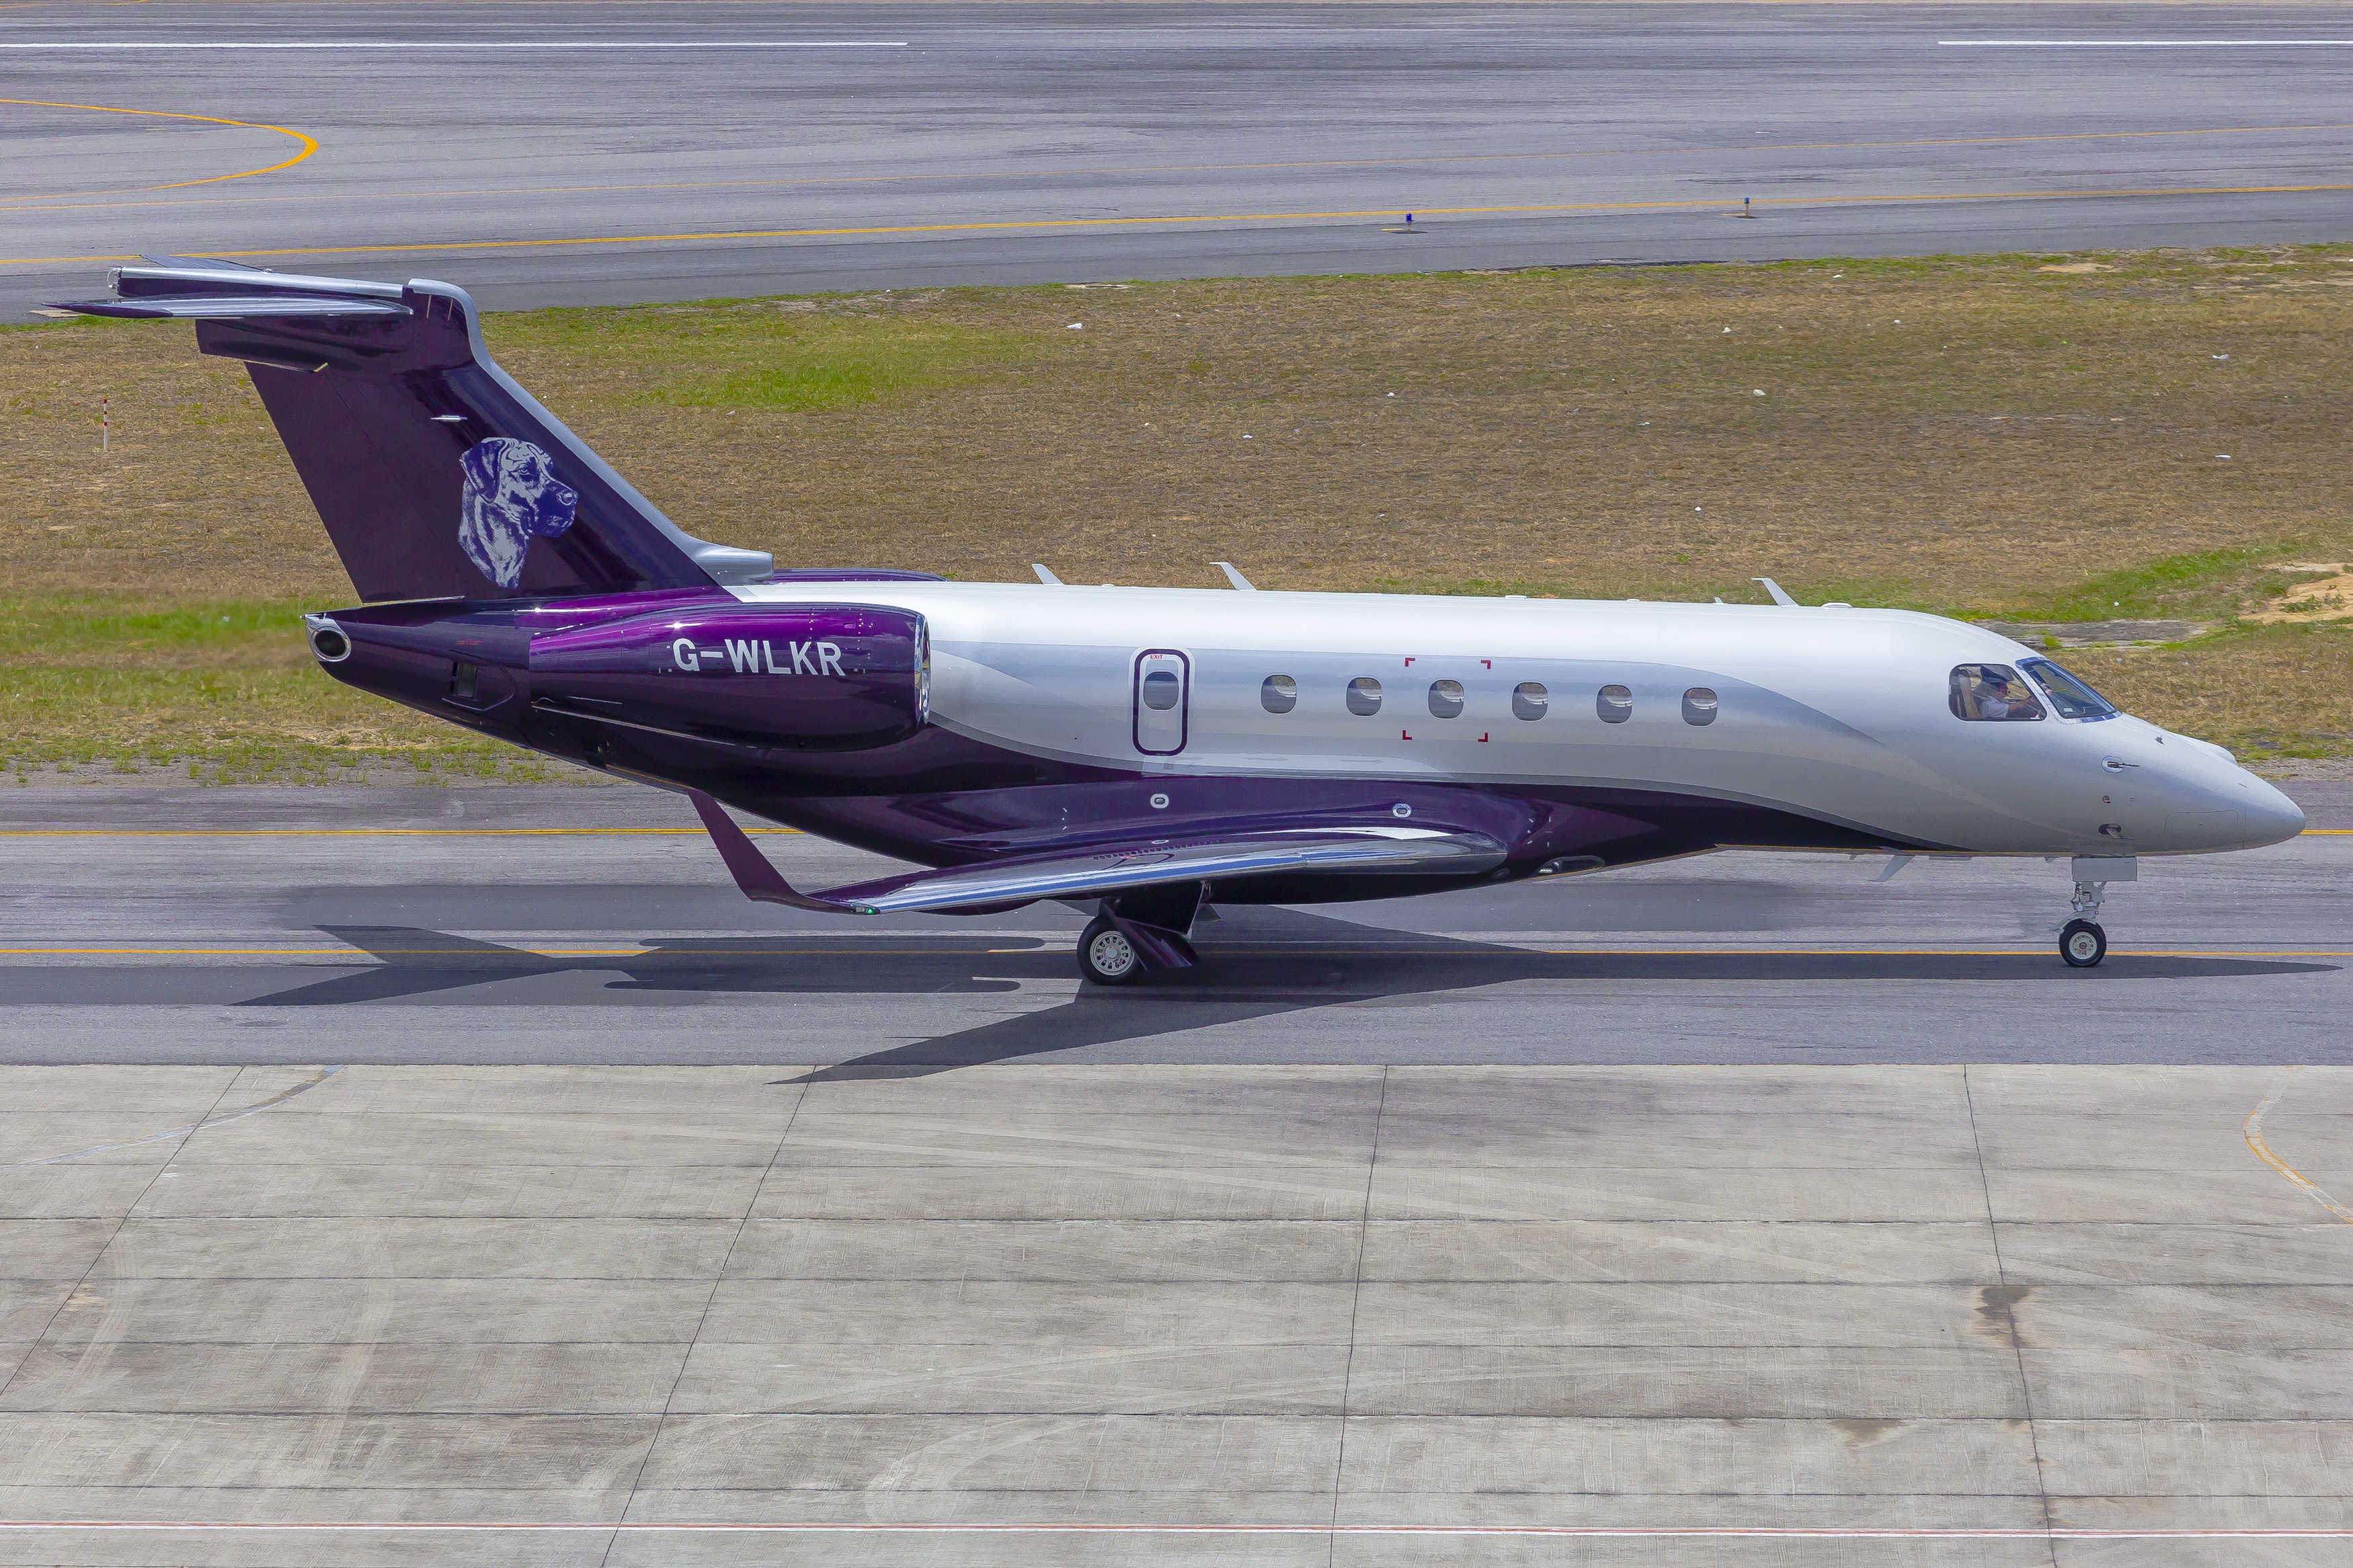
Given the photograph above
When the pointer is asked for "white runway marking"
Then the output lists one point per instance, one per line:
(472, 45)
(1580, 1533)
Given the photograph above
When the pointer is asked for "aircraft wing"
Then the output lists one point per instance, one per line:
(1117, 868)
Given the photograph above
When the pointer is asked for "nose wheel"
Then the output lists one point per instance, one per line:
(2082, 943)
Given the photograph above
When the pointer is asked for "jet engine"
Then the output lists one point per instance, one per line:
(817, 678)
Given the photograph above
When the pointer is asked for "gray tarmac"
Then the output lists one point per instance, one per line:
(1026, 1314)
(597, 925)
(598, 163)
(393, 1177)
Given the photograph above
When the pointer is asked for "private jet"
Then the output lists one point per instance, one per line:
(1147, 750)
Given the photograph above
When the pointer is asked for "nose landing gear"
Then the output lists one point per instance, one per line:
(2082, 943)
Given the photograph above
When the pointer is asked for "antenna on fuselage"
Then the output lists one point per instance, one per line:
(1235, 578)
(1780, 594)
(1045, 576)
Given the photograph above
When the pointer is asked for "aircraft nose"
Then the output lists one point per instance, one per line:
(2268, 816)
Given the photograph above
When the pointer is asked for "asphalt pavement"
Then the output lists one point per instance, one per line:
(568, 154)
(596, 926)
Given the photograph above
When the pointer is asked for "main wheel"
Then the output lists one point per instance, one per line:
(2082, 944)
(1106, 956)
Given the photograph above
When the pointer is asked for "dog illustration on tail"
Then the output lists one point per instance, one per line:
(511, 497)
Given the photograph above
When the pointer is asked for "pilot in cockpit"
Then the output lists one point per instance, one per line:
(1983, 692)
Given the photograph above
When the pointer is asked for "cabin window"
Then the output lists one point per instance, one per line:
(1161, 691)
(1446, 700)
(1983, 692)
(1363, 696)
(2068, 692)
(1614, 703)
(1699, 706)
(1278, 694)
(1529, 700)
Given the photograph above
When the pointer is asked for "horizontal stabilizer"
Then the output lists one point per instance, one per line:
(1117, 868)
(233, 307)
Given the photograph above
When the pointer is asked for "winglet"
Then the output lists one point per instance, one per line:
(760, 880)
(1235, 578)
(1780, 594)
(1045, 576)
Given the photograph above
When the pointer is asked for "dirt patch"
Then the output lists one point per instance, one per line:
(2098, 633)
(2330, 599)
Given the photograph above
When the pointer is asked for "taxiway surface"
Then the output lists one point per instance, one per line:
(636, 150)
(1737, 1213)
(597, 925)
(1260, 1317)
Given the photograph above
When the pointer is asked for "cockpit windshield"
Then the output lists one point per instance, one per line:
(2068, 693)
(1992, 691)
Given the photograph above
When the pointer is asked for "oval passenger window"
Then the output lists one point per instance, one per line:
(1529, 700)
(1615, 704)
(1446, 700)
(1160, 690)
(1278, 694)
(1363, 696)
(1699, 706)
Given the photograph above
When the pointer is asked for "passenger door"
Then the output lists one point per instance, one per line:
(1162, 698)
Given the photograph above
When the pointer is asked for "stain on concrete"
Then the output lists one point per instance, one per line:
(1998, 1313)
(1858, 1433)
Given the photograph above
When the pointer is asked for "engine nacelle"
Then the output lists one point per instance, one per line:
(822, 677)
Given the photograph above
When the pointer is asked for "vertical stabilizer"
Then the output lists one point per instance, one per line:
(436, 474)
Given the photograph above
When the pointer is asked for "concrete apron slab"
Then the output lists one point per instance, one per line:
(1177, 1315)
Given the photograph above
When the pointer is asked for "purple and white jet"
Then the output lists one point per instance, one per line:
(1148, 748)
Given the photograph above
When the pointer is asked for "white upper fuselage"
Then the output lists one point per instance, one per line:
(1837, 714)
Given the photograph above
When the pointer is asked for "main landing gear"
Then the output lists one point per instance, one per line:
(1135, 935)
(1106, 956)
(2082, 943)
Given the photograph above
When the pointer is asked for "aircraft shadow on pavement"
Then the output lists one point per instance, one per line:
(1257, 964)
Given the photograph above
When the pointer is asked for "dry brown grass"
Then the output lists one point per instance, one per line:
(2264, 691)
(2023, 443)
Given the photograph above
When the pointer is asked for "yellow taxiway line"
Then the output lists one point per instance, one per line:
(309, 146)
(2254, 1132)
